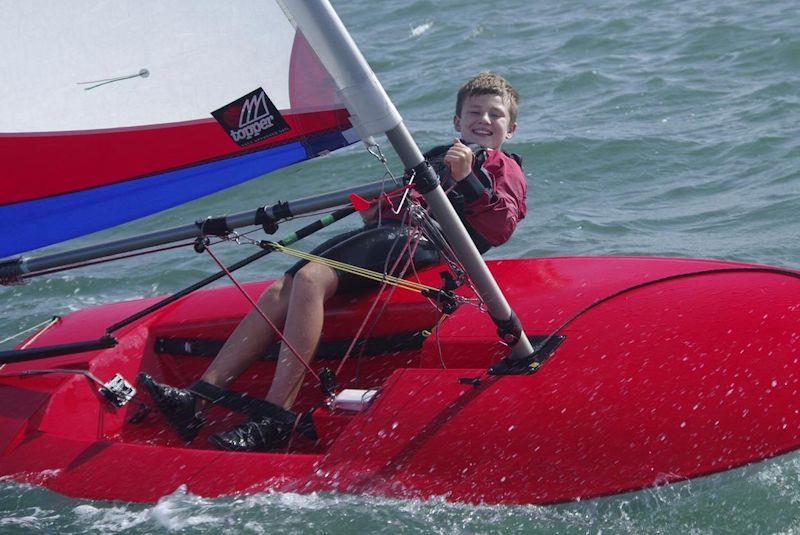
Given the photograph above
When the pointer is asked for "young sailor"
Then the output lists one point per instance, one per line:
(488, 191)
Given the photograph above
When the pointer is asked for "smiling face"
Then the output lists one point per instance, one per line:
(485, 120)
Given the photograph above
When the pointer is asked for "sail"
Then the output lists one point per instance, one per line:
(112, 111)
(138, 139)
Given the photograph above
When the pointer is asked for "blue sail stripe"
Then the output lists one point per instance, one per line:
(33, 224)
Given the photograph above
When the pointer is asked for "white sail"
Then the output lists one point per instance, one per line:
(198, 56)
(106, 108)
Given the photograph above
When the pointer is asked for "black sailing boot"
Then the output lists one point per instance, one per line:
(176, 404)
(262, 434)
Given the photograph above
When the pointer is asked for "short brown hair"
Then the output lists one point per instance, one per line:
(489, 83)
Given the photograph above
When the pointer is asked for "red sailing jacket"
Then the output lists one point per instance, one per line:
(494, 210)
(490, 201)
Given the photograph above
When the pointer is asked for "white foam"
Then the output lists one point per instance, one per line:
(416, 31)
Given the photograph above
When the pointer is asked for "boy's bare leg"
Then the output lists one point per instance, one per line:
(312, 286)
(251, 337)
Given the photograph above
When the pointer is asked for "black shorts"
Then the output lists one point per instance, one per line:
(372, 247)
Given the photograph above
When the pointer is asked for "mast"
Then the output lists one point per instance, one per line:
(372, 113)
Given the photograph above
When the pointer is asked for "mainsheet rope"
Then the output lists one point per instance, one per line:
(407, 249)
(355, 270)
(383, 278)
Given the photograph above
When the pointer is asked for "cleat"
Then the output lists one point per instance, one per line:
(176, 404)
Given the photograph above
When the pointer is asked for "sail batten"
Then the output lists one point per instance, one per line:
(199, 55)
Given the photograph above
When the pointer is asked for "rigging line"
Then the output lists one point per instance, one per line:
(435, 330)
(430, 230)
(293, 237)
(53, 321)
(378, 153)
(402, 230)
(261, 313)
(47, 323)
(375, 150)
(439, 321)
(382, 288)
(406, 193)
(439, 351)
(355, 270)
(360, 329)
(378, 316)
(454, 266)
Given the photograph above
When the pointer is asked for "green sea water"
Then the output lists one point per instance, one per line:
(647, 127)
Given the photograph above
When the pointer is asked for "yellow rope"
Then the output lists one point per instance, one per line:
(356, 270)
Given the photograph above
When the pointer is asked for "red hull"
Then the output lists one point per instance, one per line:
(669, 381)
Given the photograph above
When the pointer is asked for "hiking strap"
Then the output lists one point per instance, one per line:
(243, 403)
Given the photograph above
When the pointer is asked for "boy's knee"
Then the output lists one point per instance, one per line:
(306, 276)
(316, 277)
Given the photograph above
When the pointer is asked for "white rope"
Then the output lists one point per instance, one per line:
(48, 323)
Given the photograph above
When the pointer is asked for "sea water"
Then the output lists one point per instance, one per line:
(647, 127)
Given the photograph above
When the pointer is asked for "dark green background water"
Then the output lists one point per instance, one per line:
(647, 127)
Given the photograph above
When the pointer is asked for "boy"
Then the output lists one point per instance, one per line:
(488, 191)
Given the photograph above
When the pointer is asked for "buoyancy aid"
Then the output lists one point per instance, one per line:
(469, 189)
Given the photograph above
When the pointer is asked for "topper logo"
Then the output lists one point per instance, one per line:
(253, 109)
(251, 118)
